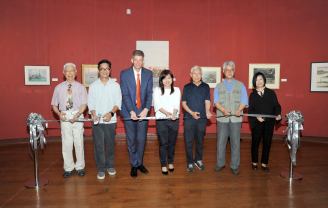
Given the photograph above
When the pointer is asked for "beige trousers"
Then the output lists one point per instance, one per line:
(72, 133)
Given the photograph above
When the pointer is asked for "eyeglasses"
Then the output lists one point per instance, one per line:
(229, 70)
(104, 69)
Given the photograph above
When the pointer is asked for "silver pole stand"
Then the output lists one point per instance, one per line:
(291, 175)
(37, 182)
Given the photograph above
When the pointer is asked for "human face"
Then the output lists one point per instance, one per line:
(70, 73)
(196, 76)
(104, 70)
(259, 81)
(167, 81)
(137, 62)
(229, 72)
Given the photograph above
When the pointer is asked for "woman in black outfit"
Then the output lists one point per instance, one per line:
(262, 101)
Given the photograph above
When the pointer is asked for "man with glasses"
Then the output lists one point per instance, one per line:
(230, 97)
(104, 100)
(72, 98)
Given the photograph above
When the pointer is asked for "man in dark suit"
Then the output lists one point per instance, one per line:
(137, 90)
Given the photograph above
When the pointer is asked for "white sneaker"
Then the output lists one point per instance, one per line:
(101, 175)
(111, 171)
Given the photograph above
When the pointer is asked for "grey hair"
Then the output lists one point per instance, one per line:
(69, 64)
(230, 63)
(196, 67)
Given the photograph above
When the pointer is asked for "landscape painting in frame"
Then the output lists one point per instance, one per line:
(319, 77)
(89, 74)
(270, 71)
(37, 75)
(211, 76)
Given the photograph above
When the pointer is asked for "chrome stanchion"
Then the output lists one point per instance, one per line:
(291, 175)
(36, 182)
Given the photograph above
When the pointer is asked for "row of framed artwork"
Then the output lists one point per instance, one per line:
(40, 75)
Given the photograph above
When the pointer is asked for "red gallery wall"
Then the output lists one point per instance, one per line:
(200, 32)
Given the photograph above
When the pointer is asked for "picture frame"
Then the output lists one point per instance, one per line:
(270, 71)
(37, 75)
(211, 76)
(89, 74)
(319, 77)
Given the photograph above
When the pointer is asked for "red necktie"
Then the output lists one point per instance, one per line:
(138, 92)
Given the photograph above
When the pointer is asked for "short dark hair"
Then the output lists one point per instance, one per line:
(255, 77)
(138, 53)
(105, 61)
(163, 74)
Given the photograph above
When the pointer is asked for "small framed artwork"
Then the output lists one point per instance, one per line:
(89, 74)
(319, 77)
(37, 75)
(211, 76)
(270, 71)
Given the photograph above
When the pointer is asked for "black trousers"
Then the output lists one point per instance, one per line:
(192, 129)
(264, 129)
(167, 131)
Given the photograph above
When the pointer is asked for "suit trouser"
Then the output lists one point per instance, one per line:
(167, 131)
(266, 129)
(72, 133)
(136, 136)
(190, 130)
(104, 133)
(225, 130)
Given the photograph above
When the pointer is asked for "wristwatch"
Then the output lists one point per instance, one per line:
(112, 113)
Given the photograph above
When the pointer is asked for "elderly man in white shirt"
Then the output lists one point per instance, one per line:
(104, 100)
(167, 104)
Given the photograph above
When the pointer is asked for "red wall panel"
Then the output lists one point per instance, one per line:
(201, 32)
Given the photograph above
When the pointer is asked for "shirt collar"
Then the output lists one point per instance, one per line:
(135, 72)
(67, 83)
(226, 82)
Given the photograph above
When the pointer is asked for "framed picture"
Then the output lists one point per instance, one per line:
(319, 77)
(37, 75)
(270, 71)
(211, 76)
(89, 74)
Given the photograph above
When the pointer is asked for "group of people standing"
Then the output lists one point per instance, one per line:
(133, 97)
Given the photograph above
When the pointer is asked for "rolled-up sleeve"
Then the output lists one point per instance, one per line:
(244, 97)
(216, 95)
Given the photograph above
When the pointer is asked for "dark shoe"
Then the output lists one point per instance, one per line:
(142, 169)
(190, 168)
(165, 172)
(171, 169)
(199, 165)
(265, 169)
(68, 173)
(235, 171)
(80, 172)
(254, 167)
(218, 168)
(134, 172)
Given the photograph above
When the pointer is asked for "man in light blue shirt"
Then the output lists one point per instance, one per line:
(230, 97)
(104, 100)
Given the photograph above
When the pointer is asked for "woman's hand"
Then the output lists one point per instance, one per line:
(260, 119)
(278, 117)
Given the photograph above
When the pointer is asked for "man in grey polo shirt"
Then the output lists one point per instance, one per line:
(72, 99)
(230, 97)
(104, 100)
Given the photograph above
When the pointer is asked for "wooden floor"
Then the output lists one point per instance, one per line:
(178, 189)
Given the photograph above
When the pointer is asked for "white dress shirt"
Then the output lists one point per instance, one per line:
(167, 102)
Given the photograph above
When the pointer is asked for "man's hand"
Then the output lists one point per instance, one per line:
(195, 115)
(143, 114)
(278, 117)
(174, 116)
(168, 114)
(208, 114)
(107, 117)
(260, 119)
(226, 112)
(74, 117)
(238, 112)
(62, 116)
(133, 115)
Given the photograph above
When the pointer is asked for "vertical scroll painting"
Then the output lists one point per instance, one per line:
(319, 77)
(37, 75)
(89, 74)
(270, 71)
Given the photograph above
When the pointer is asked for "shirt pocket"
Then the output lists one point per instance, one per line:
(222, 95)
(237, 94)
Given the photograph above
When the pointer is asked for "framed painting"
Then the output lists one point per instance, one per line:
(37, 75)
(211, 76)
(270, 71)
(319, 77)
(89, 74)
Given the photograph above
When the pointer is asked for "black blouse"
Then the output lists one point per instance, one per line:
(267, 104)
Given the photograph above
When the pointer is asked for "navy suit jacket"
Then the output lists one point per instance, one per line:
(129, 91)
